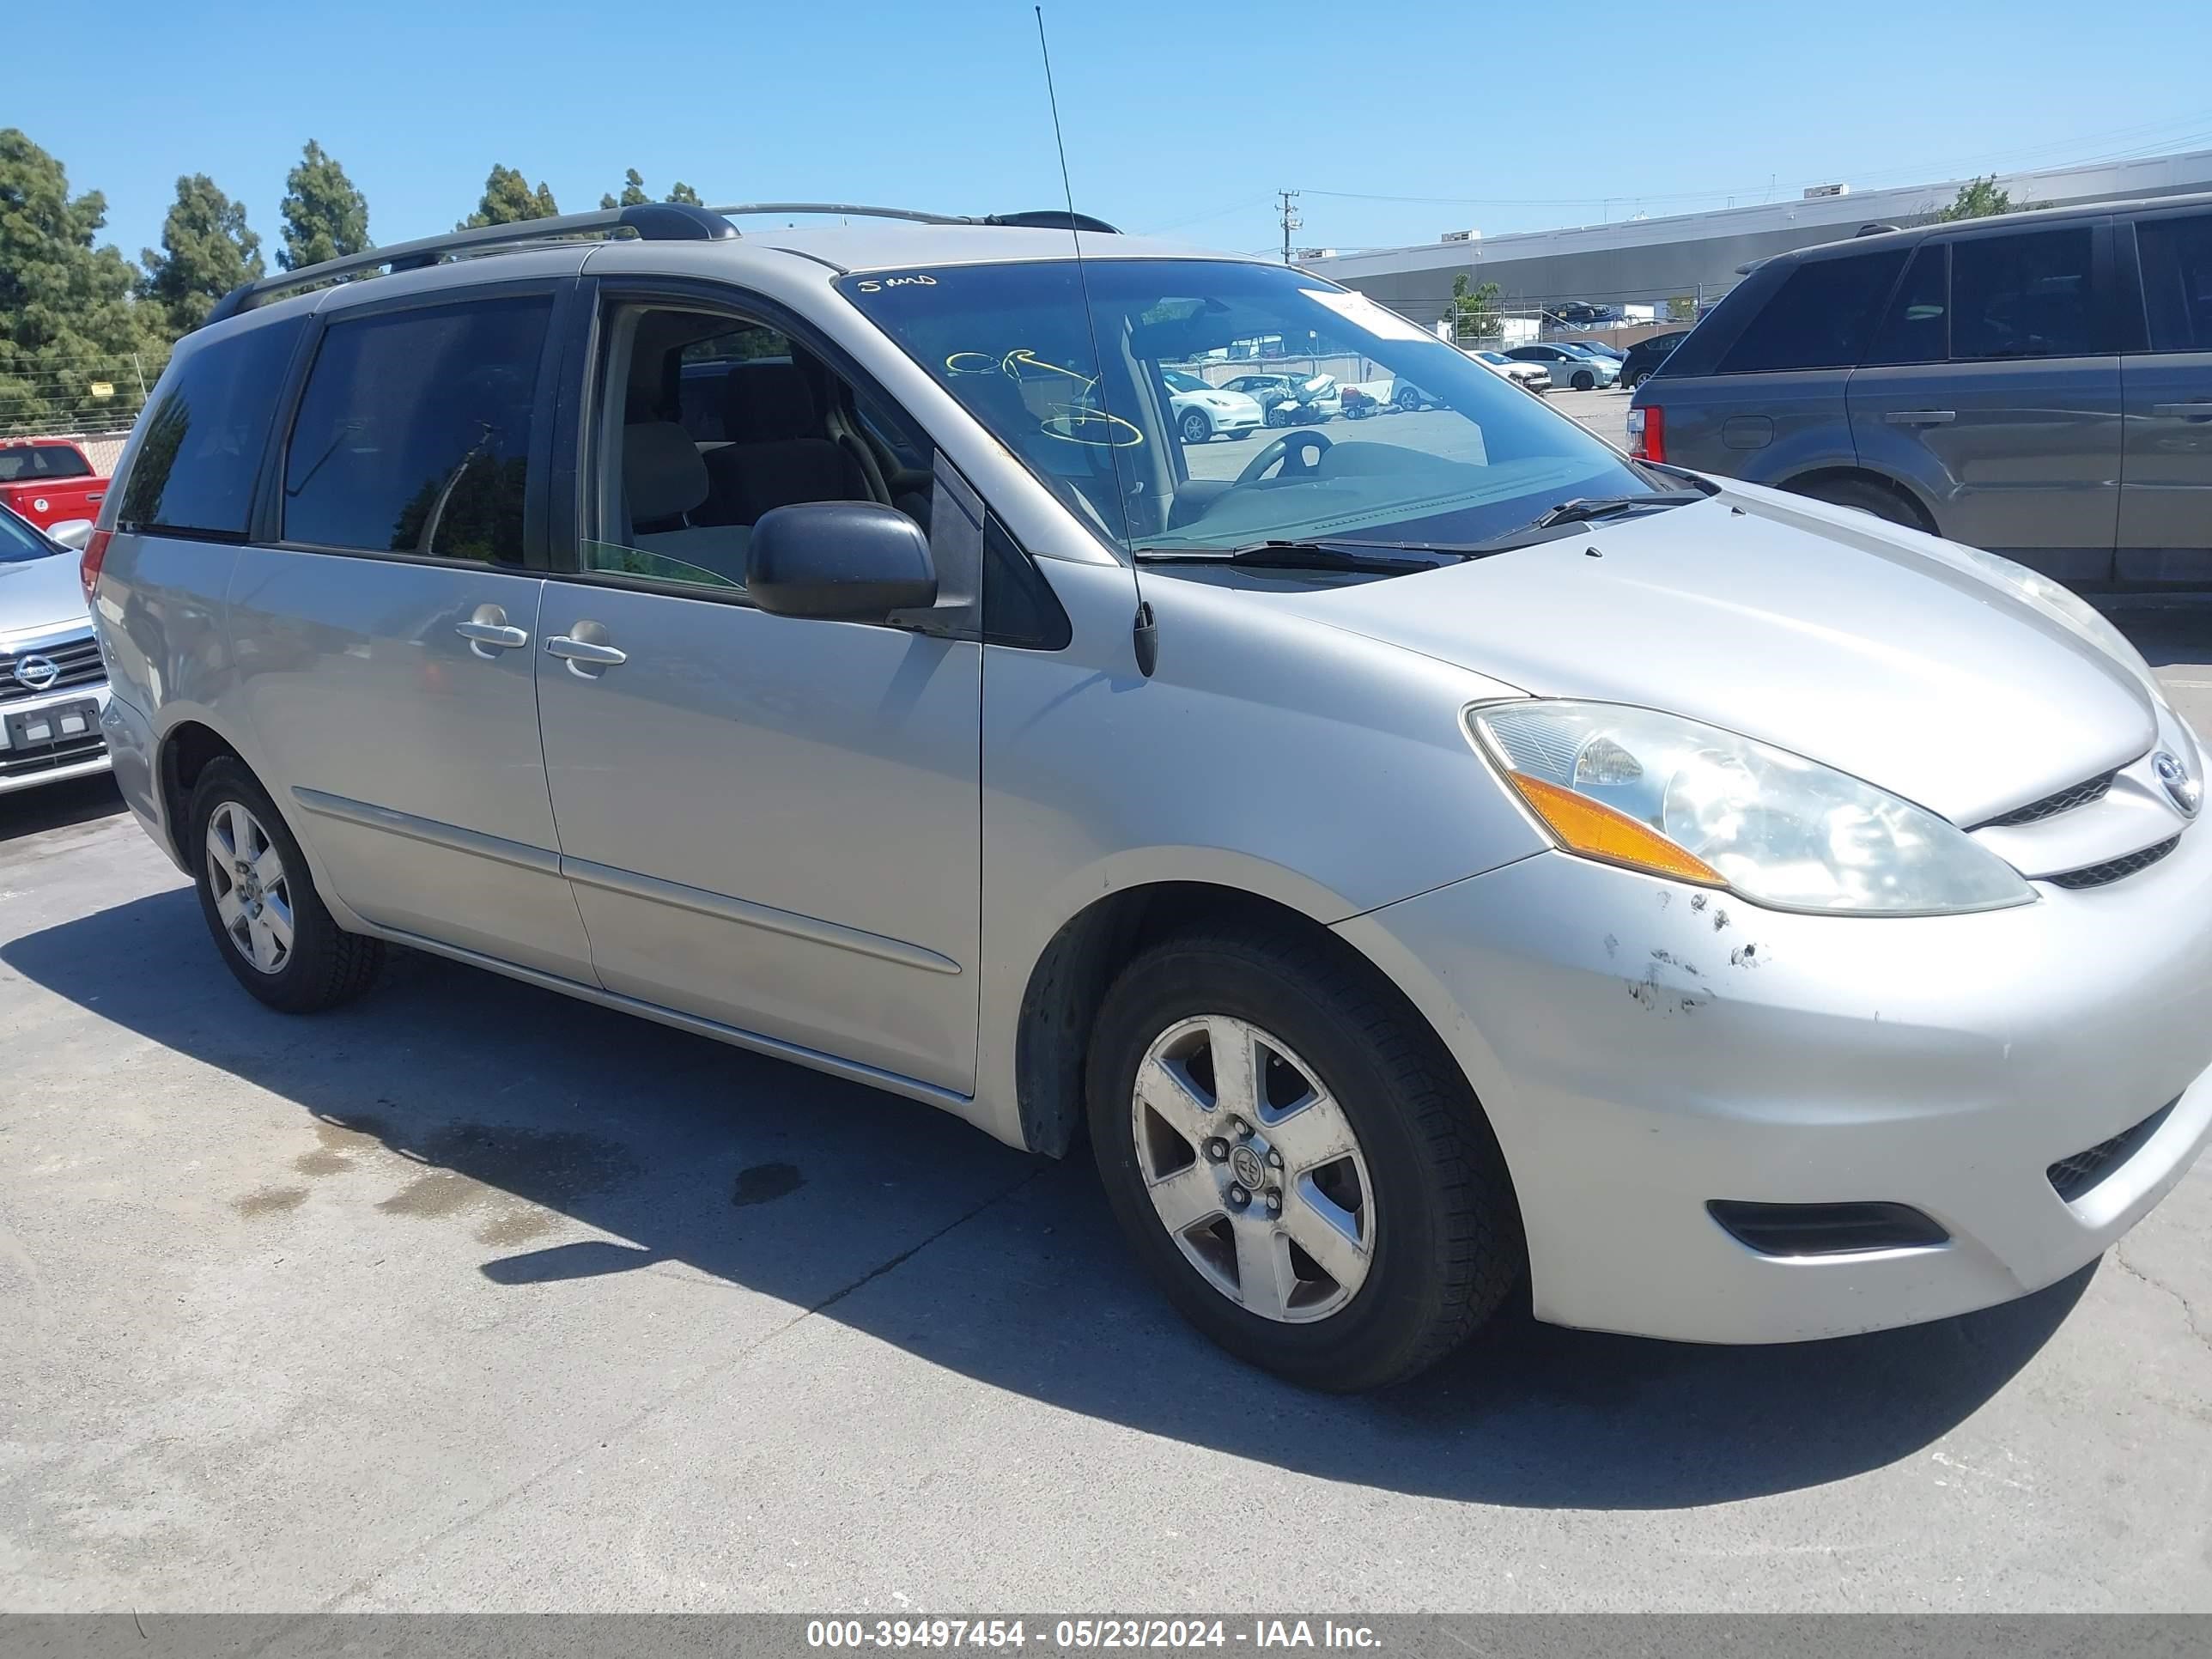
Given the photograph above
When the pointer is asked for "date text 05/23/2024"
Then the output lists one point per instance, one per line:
(1085, 1635)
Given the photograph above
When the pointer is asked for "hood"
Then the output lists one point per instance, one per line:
(1814, 629)
(38, 595)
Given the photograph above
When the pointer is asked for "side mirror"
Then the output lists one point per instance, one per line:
(838, 561)
(72, 533)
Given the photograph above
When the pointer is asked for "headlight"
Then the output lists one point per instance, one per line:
(1675, 798)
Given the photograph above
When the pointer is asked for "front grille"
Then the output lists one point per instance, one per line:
(1801, 1229)
(2080, 795)
(78, 660)
(2098, 875)
(2072, 1176)
(52, 757)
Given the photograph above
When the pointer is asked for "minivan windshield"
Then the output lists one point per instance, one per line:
(1082, 396)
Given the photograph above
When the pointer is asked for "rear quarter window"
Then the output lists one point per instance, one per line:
(199, 448)
(1819, 318)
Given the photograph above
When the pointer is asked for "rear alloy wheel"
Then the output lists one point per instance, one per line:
(1196, 428)
(258, 898)
(1408, 399)
(1869, 497)
(1296, 1159)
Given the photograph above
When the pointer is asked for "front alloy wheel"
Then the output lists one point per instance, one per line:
(1253, 1169)
(1196, 429)
(1295, 1158)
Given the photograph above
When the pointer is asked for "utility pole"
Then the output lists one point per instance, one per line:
(1290, 219)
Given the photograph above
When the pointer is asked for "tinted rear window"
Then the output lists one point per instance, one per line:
(1819, 318)
(2177, 275)
(19, 461)
(413, 435)
(199, 448)
(2024, 295)
(1917, 331)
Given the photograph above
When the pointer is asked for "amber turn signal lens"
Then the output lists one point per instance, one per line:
(1599, 832)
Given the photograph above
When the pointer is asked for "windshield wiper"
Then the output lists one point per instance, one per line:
(1585, 508)
(1354, 555)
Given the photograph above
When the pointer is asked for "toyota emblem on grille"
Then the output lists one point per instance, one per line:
(37, 672)
(2186, 792)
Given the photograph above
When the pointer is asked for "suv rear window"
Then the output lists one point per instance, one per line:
(1819, 318)
(413, 435)
(2025, 295)
(2177, 275)
(199, 448)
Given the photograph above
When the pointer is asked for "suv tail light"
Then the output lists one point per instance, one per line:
(87, 568)
(1647, 433)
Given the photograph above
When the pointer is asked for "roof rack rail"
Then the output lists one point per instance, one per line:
(1038, 219)
(652, 222)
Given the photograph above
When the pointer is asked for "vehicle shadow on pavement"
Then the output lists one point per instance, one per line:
(519, 1113)
(59, 806)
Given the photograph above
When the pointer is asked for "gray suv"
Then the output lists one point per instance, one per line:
(1418, 861)
(2039, 384)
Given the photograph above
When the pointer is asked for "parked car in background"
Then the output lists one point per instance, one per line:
(1600, 349)
(1646, 354)
(1204, 412)
(1407, 396)
(1291, 399)
(49, 481)
(2039, 384)
(1568, 366)
(1530, 377)
(53, 683)
(1580, 313)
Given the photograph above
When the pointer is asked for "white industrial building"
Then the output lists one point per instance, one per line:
(1653, 261)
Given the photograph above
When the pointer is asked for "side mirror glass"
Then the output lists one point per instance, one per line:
(838, 561)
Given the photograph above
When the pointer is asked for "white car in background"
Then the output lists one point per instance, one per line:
(1530, 377)
(1204, 412)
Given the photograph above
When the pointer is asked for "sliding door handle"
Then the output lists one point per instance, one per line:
(1921, 416)
(2196, 411)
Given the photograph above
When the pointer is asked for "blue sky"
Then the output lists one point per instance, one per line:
(1184, 117)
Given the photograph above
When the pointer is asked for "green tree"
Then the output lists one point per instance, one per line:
(1977, 198)
(633, 192)
(207, 250)
(680, 191)
(1475, 314)
(67, 319)
(509, 200)
(324, 216)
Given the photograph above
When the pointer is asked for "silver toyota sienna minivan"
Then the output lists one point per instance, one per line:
(1417, 856)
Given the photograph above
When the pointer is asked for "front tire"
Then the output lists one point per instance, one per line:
(1584, 380)
(1296, 1159)
(1196, 428)
(258, 898)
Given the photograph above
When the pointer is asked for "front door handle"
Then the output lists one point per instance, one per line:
(2197, 411)
(1921, 416)
(586, 644)
(489, 632)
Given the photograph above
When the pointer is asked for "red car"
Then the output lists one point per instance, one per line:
(49, 481)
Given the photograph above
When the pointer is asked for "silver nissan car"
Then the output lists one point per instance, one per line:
(1416, 862)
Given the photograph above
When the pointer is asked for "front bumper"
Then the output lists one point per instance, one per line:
(1644, 1047)
(68, 754)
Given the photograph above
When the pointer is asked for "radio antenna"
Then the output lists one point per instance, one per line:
(1144, 631)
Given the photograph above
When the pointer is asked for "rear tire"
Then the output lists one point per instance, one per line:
(1427, 1242)
(271, 927)
(1867, 496)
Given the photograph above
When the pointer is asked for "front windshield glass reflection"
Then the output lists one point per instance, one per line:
(1226, 403)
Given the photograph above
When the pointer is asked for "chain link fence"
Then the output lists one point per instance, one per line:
(93, 402)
